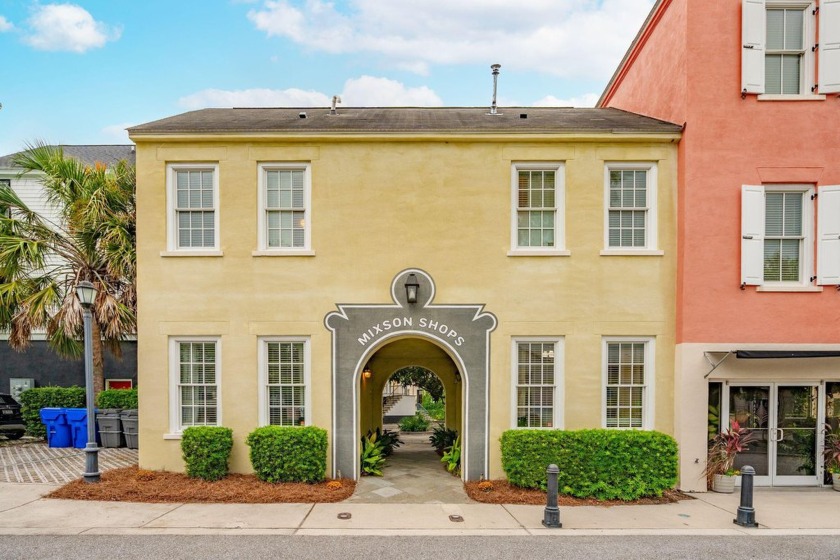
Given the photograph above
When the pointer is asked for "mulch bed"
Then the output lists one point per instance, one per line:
(131, 484)
(502, 492)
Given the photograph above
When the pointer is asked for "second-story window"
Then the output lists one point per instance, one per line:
(285, 213)
(194, 217)
(630, 207)
(538, 198)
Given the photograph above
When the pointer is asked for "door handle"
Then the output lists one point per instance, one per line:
(781, 434)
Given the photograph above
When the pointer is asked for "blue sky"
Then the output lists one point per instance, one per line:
(81, 72)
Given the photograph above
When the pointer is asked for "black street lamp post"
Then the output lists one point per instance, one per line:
(86, 292)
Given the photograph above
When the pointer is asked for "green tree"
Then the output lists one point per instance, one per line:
(421, 377)
(42, 262)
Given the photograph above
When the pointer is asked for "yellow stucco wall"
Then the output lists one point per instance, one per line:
(379, 206)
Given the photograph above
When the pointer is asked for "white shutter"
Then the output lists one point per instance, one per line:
(752, 235)
(829, 51)
(828, 235)
(753, 39)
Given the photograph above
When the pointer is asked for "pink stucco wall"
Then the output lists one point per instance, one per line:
(729, 142)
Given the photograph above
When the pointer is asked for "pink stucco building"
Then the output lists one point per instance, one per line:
(756, 84)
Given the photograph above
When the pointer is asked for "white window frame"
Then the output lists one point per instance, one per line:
(559, 381)
(754, 50)
(262, 350)
(262, 223)
(175, 427)
(750, 275)
(172, 215)
(559, 249)
(651, 218)
(648, 407)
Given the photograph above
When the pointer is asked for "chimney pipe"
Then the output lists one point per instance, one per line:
(495, 69)
(335, 100)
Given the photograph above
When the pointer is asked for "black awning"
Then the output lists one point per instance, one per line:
(764, 354)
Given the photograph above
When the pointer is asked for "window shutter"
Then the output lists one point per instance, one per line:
(752, 235)
(753, 39)
(828, 235)
(829, 51)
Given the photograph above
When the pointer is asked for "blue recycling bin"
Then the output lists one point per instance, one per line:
(58, 429)
(77, 418)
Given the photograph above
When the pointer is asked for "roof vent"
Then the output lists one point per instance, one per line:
(335, 101)
(495, 69)
(302, 115)
(523, 115)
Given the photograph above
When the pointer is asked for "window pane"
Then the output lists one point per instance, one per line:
(791, 74)
(794, 29)
(773, 73)
(775, 29)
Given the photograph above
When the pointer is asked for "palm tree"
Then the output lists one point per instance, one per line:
(42, 262)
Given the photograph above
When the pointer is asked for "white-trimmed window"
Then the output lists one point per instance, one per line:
(777, 236)
(779, 50)
(285, 388)
(193, 194)
(538, 209)
(630, 209)
(194, 382)
(628, 382)
(284, 219)
(537, 382)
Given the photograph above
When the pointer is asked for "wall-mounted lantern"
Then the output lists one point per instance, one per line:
(411, 288)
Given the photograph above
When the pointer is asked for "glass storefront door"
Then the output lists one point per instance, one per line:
(784, 418)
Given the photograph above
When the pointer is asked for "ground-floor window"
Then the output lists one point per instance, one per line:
(194, 382)
(284, 370)
(628, 380)
(537, 378)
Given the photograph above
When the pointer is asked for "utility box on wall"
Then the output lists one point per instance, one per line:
(18, 385)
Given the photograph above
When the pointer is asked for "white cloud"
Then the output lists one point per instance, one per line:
(574, 38)
(67, 27)
(5, 25)
(117, 133)
(585, 100)
(254, 98)
(366, 91)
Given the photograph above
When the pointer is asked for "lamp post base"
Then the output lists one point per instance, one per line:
(91, 473)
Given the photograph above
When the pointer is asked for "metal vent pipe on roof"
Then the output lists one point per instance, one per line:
(495, 69)
(335, 100)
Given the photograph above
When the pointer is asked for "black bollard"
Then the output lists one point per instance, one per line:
(746, 511)
(551, 517)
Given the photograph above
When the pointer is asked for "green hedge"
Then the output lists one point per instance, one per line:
(206, 450)
(288, 454)
(602, 464)
(117, 398)
(33, 400)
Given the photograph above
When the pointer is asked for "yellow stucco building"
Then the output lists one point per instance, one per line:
(527, 257)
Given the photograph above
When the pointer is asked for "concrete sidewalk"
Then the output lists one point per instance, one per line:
(24, 511)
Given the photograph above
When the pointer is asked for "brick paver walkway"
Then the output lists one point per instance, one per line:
(34, 462)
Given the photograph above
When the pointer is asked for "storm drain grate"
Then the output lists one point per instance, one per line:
(344, 515)
(456, 519)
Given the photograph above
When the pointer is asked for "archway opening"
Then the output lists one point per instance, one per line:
(397, 380)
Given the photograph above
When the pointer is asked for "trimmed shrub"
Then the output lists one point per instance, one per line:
(117, 398)
(416, 423)
(602, 464)
(33, 400)
(288, 454)
(206, 450)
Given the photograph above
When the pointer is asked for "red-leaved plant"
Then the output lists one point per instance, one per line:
(724, 448)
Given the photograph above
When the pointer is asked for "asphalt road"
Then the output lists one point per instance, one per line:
(421, 548)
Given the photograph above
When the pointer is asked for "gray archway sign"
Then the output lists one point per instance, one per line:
(359, 330)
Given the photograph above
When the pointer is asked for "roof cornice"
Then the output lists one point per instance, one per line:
(266, 137)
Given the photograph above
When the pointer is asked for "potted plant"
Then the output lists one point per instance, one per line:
(831, 455)
(720, 464)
